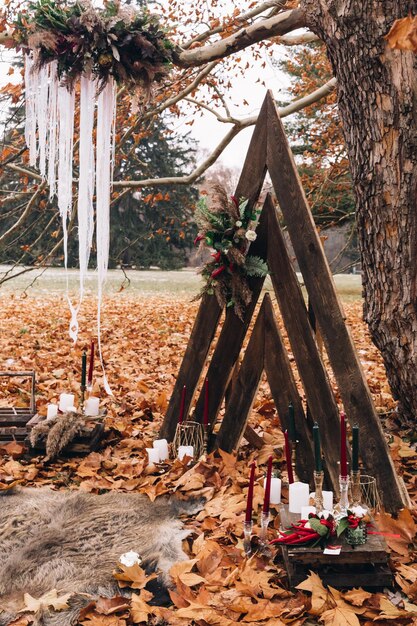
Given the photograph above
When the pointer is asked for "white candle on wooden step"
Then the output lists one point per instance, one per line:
(66, 400)
(298, 497)
(275, 494)
(92, 406)
(185, 451)
(51, 411)
(162, 446)
(327, 499)
(306, 510)
(153, 455)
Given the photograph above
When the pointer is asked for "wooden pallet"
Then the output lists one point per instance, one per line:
(13, 420)
(360, 566)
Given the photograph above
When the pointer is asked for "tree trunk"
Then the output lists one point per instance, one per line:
(377, 92)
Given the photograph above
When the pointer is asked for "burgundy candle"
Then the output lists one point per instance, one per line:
(248, 517)
(206, 404)
(268, 486)
(182, 405)
(343, 461)
(91, 366)
(288, 457)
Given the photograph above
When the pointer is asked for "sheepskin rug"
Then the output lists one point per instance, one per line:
(72, 541)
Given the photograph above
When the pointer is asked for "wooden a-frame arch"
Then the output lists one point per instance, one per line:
(269, 151)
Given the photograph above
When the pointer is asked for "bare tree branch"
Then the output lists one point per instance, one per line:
(238, 125)
(280, 24)
(25, 213)
(296, 40)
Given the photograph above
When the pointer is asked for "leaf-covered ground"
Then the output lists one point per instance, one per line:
(144, 340)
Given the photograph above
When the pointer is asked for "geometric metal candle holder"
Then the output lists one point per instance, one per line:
(369, 493)
(189, 433)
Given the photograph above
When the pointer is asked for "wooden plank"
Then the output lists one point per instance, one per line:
(244, 389)
(249, 186)
(320, 399)
(231, 338)
(351, 381)
(284, 389)
(193, 362)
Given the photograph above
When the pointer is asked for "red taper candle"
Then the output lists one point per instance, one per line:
(182, 405)
(343, 461)
(288, 457)
(248, 517)
(268, 486)
(206, 404)
(91, 366)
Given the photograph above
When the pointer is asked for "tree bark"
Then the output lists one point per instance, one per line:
(377, 93)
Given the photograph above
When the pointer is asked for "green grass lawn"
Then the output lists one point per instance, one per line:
(183, 283)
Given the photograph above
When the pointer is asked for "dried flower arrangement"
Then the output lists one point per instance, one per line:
(116, 40)
(227, 226)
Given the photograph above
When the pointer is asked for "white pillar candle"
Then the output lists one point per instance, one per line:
(66, 400)
(162, 446)
(298, 497)
(153, 455)
(51, 411)
(327, 499)
(275, 495)
(306, 510)
(185, 451)
(91, 406)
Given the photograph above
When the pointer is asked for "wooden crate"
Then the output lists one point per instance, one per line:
(13, 420)
(87, 441)
(359, 566)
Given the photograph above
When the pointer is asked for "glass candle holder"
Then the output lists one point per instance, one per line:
(247, 535)
(355, 487)
(264, 526)
(343, 504)
(356, 536)
(318, 495)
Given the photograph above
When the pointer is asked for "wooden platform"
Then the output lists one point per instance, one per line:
(87, 441)
(13, 420)
(360, 566)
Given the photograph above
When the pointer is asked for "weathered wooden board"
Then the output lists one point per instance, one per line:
(320, 398)
(318, 280)
(365, 565)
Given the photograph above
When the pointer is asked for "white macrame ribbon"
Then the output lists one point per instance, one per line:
(85, 190)
(104, 177)
(31, 88)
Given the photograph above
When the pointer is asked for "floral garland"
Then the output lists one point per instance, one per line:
(319, 529)
(227, 227)
(115, 40)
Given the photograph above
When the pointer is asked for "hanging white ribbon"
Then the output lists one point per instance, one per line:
(31, 88)
(106, 112)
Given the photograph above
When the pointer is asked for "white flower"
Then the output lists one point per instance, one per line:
(130, 559)
(238, 223)
(359, 511)
(307, 525)
(325, 514)
(250, 235)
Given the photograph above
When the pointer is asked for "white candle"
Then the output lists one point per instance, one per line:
(185, 451)
(162, 446)
(153, 455)
(51, 411)
(306, 510)
(275, 495)
(66, 400)
(327, 499)
(91, 406)
(298, 497)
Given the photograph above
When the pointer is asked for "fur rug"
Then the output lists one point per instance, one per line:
(72, 541)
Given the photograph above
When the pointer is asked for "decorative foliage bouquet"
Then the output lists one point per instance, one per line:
(355, 525)
(227, 226)
(115, 40)
(316, 530)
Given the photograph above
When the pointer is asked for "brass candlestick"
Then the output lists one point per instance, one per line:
(82, 398)
(247, 534)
